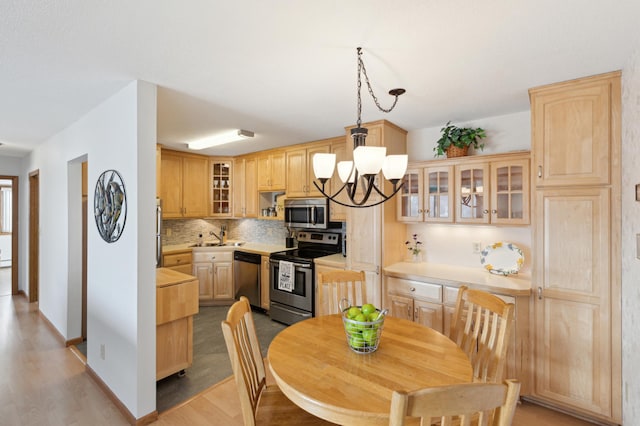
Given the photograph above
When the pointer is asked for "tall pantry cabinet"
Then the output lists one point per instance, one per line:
(375, 238)
(576, 234)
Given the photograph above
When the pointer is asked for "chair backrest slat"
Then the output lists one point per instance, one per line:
(481, 327)
(333, 286)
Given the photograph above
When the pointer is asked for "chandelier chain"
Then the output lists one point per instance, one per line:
(363, 70)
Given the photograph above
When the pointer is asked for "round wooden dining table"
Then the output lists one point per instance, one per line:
(315, 368)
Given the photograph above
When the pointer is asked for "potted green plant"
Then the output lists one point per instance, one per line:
(455, 141)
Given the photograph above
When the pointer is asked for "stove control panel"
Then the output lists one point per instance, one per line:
(319, 237)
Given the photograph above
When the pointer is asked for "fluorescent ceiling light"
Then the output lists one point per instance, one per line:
(220, 139)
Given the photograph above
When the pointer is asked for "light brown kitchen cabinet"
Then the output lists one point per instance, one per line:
(433, 305)
(176, 303)
(572, 124)
(338, 212)
(300, 175)
(184, 185)
(265, 298)
(214, 270)
(221, 183)
(271, 171)
(375, 238)
(576, 254)
(415, 301)
(473, 190)
(178, 261)
(427, 195)
(245, 181)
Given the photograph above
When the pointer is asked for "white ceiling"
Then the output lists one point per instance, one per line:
(286, 69)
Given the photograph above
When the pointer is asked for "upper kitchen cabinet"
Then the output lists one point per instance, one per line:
(572, 125)
(245, 183)
(300, 174)
(337, 212)
(184, 185)
(426, 195)
(475, 189)
(221, 187)
(271, 171)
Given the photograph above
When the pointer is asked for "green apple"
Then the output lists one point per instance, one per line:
(368, 308)
(353, 312)
(356, 341)
(370, 336)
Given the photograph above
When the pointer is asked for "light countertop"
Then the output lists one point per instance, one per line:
(334, 260)
(259, 248)
(513, 285)
(166, 277)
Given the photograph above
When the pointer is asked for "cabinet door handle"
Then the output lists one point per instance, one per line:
(412, 289)
(416, 314)
(408, 311)
(539, 171)
(485, 211)
(539, 293)
(494, 211)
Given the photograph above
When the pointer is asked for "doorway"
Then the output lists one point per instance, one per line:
(8, 235)
(34, 235)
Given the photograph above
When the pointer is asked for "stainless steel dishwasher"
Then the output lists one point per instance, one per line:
(246, 276)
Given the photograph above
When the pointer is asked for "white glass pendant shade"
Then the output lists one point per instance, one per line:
(323, 165)
(395, 166)
(369, 159)
(344, 169)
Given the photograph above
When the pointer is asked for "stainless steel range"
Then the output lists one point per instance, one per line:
(290, 305)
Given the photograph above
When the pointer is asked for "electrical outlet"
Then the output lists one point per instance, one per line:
(477, 246)
(102, 351)
(168, 232)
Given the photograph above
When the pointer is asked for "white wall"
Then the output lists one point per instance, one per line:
(118, 134)
(630, 228)
(451, 244)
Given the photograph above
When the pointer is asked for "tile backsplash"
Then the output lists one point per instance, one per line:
(182, 231)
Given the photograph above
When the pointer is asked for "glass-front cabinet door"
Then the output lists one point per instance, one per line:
(472, 189)
(221, 187)
(410, 197)
(510, 192)
(438, 194)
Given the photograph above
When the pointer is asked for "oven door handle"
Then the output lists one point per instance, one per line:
(297, 265)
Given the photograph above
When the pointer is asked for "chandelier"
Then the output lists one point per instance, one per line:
(367, 162)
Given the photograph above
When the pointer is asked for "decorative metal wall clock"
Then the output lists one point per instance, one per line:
(110, 205)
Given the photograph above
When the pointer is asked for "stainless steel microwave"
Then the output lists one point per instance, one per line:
(307, 213)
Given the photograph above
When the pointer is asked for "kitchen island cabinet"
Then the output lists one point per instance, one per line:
(176, 303)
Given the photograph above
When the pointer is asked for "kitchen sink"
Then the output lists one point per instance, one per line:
(227, 244)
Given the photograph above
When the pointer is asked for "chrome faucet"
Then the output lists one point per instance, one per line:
(220, 237)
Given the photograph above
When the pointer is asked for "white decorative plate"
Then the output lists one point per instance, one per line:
(502, 258)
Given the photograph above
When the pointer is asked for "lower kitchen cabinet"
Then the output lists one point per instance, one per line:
(214, 271)
(433, 305)
(178, 261)
(264, 283)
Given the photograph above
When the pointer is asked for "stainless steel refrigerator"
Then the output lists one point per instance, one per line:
(158, 233)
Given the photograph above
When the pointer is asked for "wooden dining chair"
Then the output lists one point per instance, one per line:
(333, 286)
(261, 404)
(464, 404)
(481, 327)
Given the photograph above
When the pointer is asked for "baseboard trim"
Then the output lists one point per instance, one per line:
(145, 420)
(58, 336)
(74, 342)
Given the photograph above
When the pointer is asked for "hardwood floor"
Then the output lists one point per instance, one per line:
(44, 383)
